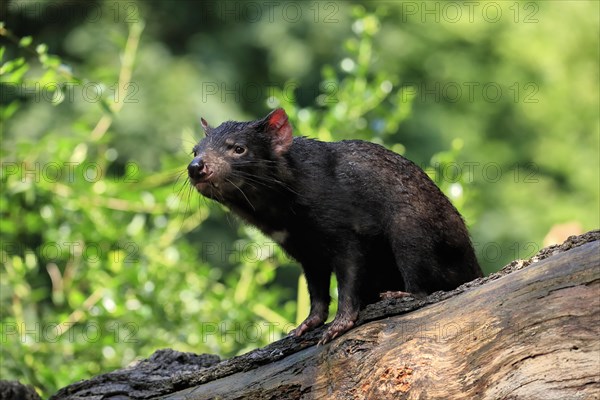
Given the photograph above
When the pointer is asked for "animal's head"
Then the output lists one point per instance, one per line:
(236, 154)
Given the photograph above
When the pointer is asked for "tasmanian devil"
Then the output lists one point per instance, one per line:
(353, 208)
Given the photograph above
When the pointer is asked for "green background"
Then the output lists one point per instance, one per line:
(108, 255)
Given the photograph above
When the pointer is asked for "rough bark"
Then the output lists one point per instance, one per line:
(529, 331)
(10, 390)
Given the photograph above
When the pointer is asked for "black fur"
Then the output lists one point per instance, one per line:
(352, 208)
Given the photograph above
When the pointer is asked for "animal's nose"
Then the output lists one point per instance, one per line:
(196, 168)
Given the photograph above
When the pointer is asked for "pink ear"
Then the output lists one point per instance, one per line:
(204, 124)
(280, 128)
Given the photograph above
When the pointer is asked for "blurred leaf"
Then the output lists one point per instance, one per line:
(25, 41)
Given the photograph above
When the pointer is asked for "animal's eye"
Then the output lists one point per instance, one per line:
(239, 150)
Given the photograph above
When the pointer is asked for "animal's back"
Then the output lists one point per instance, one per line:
(404, 221)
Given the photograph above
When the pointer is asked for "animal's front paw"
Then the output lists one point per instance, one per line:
(339, 326)
(310, 323)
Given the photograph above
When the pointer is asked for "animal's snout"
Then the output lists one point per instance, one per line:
(197, 169)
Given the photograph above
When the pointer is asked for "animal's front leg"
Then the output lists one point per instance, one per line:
(318, 280)
(348, 273)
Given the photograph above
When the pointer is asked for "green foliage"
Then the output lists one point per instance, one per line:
(107, 254)
(95, 253)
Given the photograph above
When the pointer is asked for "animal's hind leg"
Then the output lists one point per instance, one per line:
(411, 258)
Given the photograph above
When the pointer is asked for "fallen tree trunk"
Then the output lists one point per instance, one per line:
(530, 331)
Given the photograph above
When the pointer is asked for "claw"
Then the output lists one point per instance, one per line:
(309, 323)
(337, 328)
